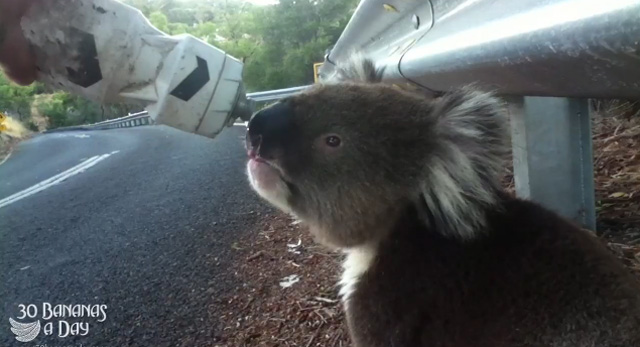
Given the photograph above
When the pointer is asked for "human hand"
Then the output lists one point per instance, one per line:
(16, 57)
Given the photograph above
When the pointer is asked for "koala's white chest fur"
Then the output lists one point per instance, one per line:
(357, 262)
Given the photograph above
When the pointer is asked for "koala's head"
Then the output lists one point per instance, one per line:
(347, 158)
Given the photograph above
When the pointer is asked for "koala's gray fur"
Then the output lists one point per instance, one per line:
(356, 69)
(437, 253)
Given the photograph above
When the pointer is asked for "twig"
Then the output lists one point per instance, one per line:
(248, 303)
(254, 256)
(327, 300)
(619, 200)
(315, 335)
(321, 316)
(615, 132)
(336, 338)
(627, 134)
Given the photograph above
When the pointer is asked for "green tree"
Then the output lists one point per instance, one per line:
(16, 99)
(56, 108)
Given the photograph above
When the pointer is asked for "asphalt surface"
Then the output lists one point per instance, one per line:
(148, 231)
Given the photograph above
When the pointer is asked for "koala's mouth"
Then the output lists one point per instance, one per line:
(263, 164)
(267, 175)
(267, 179)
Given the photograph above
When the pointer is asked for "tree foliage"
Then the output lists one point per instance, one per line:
(16, 99)
(58, 108)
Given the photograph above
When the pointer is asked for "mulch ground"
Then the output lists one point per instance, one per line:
(288, 293)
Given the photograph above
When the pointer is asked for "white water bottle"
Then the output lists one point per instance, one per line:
(109, 52)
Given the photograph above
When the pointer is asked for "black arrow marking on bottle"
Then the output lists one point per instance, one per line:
(194, 82)
(88, 72)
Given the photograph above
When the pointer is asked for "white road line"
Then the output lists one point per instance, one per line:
(6, 158)
(51, 180)
(55, 179)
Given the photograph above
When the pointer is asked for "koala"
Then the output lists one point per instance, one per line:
(436, 253)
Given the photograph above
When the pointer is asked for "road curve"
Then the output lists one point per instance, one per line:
(146, 231)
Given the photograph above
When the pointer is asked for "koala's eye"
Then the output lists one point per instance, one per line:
(332, 141)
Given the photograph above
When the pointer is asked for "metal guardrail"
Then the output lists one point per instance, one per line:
(277, 94)
(545, 57)
(563, 48)
(131, 120)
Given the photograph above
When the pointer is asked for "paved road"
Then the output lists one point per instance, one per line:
(147, 230)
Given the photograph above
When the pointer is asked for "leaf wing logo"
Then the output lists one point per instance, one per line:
(25, 332)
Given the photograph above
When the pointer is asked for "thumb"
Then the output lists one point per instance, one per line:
(17, 58)
(15, 55)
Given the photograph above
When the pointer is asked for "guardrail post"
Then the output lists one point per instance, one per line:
(553, 155)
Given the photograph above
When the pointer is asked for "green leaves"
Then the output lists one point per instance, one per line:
(60, 108)
(16, 99)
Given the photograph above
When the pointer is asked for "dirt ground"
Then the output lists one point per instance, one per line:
(12, 133)
(289, 296)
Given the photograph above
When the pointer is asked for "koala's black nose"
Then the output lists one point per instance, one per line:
(270, 126)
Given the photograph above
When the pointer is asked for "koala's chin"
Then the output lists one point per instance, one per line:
(268, 183)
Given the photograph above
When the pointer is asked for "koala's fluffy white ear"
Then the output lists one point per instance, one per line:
(357, 68)
(462, 175)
